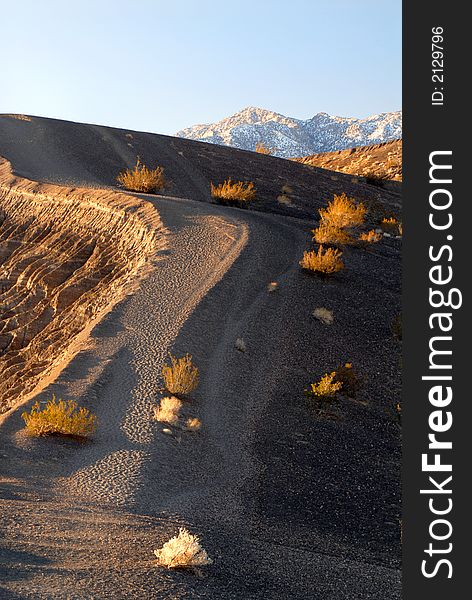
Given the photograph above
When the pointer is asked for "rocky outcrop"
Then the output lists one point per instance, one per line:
(66, 256)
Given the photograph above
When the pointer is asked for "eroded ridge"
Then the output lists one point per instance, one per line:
(66, 256)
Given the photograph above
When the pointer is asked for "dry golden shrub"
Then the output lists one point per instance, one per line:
(327, 234)
(323, 393)
(371, 237)
(343, 212)
(326, 262)
(181, 376)
(391, 226)
(287, 189)
(142, 179)
(261, 148)
(234, 191)
(326, 386)
(168, 410)
(59, 417)
(193, 424)
(182, 551)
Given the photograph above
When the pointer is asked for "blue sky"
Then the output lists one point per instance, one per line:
(163, 65)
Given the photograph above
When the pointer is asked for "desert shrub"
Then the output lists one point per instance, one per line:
(324, 315)
(348, 378)
(326, 386)
(168, 410)
(343, 212)
(193, 424)
(261, 148)
(325, 262)
(181, 376)
(327, 234)
(287, 189)
(59, 417)
(182, 551)
(323, 393)
(371, 237)
(234, 191)
(392, 226)
(142, 179)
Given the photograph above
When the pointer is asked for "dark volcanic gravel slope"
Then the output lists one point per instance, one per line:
(288, 504)
(74, 153)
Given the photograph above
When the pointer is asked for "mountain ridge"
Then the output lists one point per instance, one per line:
(290, 137)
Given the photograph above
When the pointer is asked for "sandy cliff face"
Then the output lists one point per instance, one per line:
(66, 256)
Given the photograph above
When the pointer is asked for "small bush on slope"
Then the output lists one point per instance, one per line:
(193, 424)
(232, 191)
(181, 376)
(168, 410)
(391, 226)
(182, 551)
(327, 234)
(343, 212)
(59, 417)
(142, 179)
(371, 237)
(325, 262)
(323, 393)
(326, 386)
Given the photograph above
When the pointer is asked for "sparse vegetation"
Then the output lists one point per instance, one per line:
(327, 234)
(391, 226)
(232, 192)
(168, 410)
(336, 220)
(181, 376)
(324, 261)
(59, 417)
(326, 386)
(182, 552)
(323, 393)
(193, 424)
(285, 195)
(324, 315)
(343, 212)
(142, 179)
(261, 148)
(371, 237)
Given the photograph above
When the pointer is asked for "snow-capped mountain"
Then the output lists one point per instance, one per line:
(294, 137)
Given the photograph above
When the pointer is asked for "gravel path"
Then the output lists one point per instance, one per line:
(287, 505)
